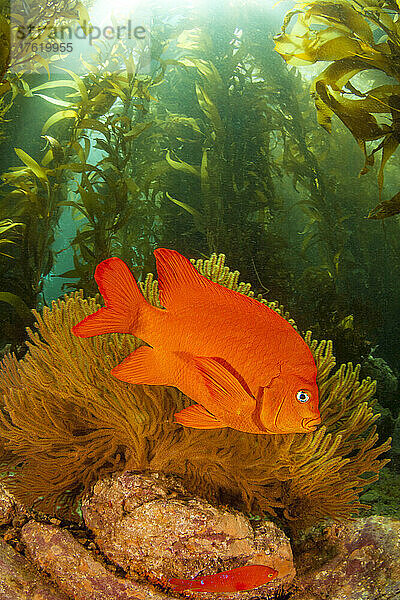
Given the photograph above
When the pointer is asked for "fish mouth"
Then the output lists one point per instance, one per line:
(311, 424)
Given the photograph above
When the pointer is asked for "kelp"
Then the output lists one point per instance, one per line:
(7, 227)
(102, 191)
(98, 142)
(358, 38)
(66, 421)
(26, 24)
(34, 190)
(220, 167)
(30, 193)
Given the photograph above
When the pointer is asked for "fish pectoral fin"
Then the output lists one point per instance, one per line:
(224, 387)
(141, 367)
(198, 417)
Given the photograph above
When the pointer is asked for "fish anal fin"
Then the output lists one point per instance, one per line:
(198, 417)
(178, 278)
(141, 367)
(226, 390)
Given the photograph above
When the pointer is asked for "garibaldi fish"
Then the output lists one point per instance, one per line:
(243, 365)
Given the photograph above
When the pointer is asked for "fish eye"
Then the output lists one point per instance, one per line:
(303, 396)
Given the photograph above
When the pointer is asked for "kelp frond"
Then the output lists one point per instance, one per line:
(355, 38)
(65, 421)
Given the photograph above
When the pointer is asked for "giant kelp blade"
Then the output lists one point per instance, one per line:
(387, 208)
(349, 34)
(31, 163)
(16, 302)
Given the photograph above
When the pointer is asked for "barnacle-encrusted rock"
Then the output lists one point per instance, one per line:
(7, 506)
(76, 571)
(65, 421)
(19, 580)
(148, 524)
(359, 560)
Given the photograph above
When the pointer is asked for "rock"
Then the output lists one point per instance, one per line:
(359, 560)
(7, 507)
(75, 570)
(386, 381)
(148, 524)
(19, 580)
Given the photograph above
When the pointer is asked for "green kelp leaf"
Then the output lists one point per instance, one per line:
(58, 83)
(324, 113)
(79, 84)
(342, 16)
(189, 209)
(311, 238)
(42, 61)
(55, 101)
(83, 18)
(22, 309)
(55, 150)
(180, 165)
(137, 130)
(387, 208)
(205, 67)
(59, 116)
(204, 176)
(130, 67)
(339, 73)
(195, 39)
(389, 146)
(79, 151)
(90, 200)
(186, 121)
(197, 216)
(208, 107)
(31, 163)
(376, 100)
(361, 123)
(77, 207)
(94, 125)
(7, 224)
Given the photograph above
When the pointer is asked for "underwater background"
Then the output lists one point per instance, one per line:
(265, 132)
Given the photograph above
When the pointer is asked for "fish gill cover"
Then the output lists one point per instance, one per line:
(65, 422)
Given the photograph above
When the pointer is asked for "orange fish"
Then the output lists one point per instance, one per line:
(243, 364)
(235, 580)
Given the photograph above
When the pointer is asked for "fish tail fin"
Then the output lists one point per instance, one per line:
(123, 301)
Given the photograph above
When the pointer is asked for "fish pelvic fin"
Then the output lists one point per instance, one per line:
(123, 301)
(178, 279)
(198, 417)
(227, 390)
(142, 367)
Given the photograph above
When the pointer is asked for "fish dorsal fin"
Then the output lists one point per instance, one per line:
(178, 278)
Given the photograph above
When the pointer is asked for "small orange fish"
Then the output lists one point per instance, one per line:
(235, 580)
(243, 364)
